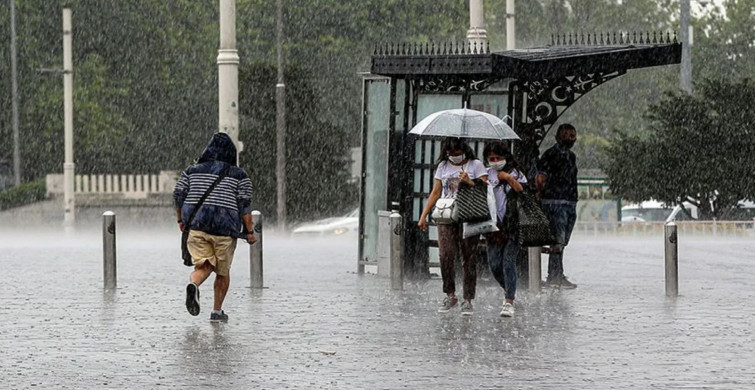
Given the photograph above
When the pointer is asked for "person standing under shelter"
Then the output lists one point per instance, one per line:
(218, 220)
(457, 164)
(556, 182)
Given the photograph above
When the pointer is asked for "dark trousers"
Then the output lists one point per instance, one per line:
(562, 218)
(451, 242)
(502, 252)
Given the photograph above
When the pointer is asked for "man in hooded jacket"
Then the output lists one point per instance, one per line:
(218, 221)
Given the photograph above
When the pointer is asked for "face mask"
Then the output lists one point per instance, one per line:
(497, 165)
(567, 144)
(456, 159)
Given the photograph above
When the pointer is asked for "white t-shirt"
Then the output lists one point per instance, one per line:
(448, 174)
(500, 190)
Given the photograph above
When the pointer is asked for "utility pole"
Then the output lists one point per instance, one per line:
(14, 95)
(280, 122)
(685, 82)
(68, 166)
(228, 74)
(510, 25)
(476, 35)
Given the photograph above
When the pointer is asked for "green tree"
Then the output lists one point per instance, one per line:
(316, 182)
(700, 148)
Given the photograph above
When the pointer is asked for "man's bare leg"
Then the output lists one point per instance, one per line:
(221, 288)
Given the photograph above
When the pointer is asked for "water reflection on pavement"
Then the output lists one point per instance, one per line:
(320, 325)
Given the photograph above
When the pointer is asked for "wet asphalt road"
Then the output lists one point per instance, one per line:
(319, 325)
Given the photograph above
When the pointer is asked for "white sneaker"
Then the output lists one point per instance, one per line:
(507, 310)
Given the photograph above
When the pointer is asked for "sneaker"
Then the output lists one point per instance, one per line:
(466, 308)
(222, 317)
(192, 299)
(448, 303)
(566, 284)
(562, 283)
(507, 310)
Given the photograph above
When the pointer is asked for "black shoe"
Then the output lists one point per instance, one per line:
(561, 283)
(222, 317)
(192, 299)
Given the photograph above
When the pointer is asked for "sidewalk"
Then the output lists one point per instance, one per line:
(320, 325)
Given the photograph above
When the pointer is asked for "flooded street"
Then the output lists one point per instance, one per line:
(318, 324)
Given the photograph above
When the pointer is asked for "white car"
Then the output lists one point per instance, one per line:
(335, 226)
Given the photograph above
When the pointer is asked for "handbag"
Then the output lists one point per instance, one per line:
(443, 212)
(472, 202)
(470, 229)
(185, 255)
(533, 227)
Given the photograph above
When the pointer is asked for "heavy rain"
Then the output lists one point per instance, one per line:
(108, 108)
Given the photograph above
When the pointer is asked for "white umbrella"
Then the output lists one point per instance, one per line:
(464, 123)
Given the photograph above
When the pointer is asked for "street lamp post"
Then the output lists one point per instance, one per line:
(476, 35)
(685, 81)
(510, 25)
(228, 74)
(280, 123)
(68, 165)
(14, 95)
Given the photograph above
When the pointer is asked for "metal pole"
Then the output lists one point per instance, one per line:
(255, 253)
(68, 166)
(672, 260)
(476, 35)
(108, 250)
(533, 254)
(685, 82)
(14, 95)
(280, 123)
(510, 25)
(397, 250)
(228, 74)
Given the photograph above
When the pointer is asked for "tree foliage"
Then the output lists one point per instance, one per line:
(145, 73)
(700, 148)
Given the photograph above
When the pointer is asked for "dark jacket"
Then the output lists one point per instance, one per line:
(559, 165)
(221, 212)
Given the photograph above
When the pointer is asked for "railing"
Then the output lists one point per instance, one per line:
(684, 227)
(128, 185)
(116, 184)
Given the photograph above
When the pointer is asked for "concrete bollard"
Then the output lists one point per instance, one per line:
(108, 249)
(255, 253)
(533, 254)
(397, 251)
(672, 260)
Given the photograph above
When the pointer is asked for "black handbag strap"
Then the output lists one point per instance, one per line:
(222, 174)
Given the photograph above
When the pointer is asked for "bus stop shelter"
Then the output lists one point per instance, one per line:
(533, 87)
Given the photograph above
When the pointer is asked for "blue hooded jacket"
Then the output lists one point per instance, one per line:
(221, 212)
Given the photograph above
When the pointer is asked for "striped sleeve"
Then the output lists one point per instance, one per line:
(244, 197)
(181, 190)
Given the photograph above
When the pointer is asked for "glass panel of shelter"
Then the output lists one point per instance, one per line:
(375, 146)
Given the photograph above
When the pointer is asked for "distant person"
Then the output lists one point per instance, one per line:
(457, 163)
(503, 246)
(557, 189)
(217, 222)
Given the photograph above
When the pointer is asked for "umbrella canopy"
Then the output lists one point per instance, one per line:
(464, 123)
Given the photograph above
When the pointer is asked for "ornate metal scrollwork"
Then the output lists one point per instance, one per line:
(445, 83)
(547, 99)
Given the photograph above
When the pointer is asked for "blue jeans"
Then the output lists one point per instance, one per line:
(562, 218)
(502, 261)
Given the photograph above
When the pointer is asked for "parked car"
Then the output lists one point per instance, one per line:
(335, 226)
(654, 211)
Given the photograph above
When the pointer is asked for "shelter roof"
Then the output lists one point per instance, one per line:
(561, 58)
